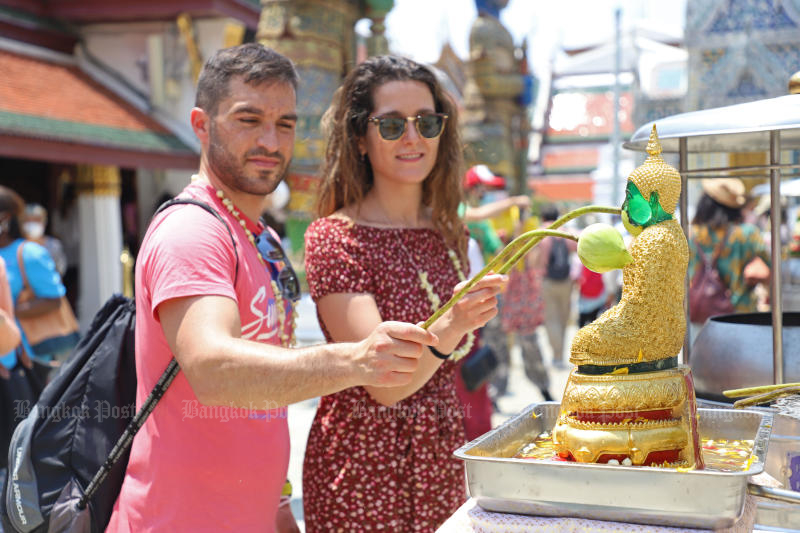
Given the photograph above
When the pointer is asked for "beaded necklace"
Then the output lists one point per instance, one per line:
(287, 338)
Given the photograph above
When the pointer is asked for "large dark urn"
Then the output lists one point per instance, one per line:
(735, 351)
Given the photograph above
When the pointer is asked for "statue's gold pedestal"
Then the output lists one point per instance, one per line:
(649, 417)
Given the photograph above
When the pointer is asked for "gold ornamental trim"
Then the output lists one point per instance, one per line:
(98, 180)
(587, 446)
(303, 53)
(187, 31)
(343, 7)
(326, 20)
(615, 393)
(638, 425)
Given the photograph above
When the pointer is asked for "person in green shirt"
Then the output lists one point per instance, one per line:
(477, 181)
(476, 214)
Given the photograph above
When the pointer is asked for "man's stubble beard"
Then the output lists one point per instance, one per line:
(224, 165)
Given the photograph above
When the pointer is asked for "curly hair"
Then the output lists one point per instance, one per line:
(347, 178)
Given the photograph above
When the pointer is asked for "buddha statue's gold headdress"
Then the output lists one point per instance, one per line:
(656, 175)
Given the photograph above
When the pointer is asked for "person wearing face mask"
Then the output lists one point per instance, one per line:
(33, 226)
(39, 268)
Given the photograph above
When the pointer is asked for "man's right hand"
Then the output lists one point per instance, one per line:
(390, 355)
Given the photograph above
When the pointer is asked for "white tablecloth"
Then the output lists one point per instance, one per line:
(472, 519)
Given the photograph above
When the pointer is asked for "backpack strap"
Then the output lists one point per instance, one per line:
(715, 253)
(126, 439)
(21, 263)
(26, 286)
(198, 203)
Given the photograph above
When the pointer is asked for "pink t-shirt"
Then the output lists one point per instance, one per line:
(194, 467)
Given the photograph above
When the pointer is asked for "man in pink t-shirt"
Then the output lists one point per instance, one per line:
(214, 453)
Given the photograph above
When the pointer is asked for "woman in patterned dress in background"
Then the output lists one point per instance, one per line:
(718, 221)
(390, 246)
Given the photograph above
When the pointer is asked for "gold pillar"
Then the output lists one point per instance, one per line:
(98, 180)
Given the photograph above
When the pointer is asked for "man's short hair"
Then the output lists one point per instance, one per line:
(253, 62)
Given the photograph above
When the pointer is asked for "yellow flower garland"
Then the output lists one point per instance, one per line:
(435, 301)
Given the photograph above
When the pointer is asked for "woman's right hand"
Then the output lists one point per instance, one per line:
(471, 312)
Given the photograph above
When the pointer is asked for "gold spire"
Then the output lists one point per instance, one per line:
(656, 175)
(653, 145)
(794, 83)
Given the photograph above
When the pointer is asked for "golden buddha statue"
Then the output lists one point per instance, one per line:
(628, 400)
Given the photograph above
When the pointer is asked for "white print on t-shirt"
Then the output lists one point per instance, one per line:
(253, 330)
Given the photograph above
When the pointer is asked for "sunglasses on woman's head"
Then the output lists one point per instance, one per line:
(429, 125)
(271, 252)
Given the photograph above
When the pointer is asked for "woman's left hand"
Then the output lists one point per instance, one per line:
(473, 311)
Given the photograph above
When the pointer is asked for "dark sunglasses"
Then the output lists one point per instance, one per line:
(272, 253)
(429, 125)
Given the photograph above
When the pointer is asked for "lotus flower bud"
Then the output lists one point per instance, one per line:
(601, 248)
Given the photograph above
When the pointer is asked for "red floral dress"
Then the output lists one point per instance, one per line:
(523, 310)
(369, 467)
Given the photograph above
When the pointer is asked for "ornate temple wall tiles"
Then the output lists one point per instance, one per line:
(740, 50)
(318, 36)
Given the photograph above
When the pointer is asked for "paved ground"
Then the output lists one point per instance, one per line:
(521, 393)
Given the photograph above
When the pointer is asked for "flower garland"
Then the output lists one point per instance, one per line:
(287, 338)
(435, 301)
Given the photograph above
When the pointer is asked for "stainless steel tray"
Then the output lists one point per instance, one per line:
(782, 513)
(645, 495)
(777, 509)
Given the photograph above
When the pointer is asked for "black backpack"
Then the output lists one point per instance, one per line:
(558, 260)
(78, 435)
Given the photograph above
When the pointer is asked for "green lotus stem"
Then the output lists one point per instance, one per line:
(575, 213)
(766, 397)
(516, 249)
(750, 391)
(535, 237)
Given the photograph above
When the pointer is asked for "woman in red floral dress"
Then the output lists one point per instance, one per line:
(390, 246)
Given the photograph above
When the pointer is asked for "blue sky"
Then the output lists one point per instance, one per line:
(419, 28)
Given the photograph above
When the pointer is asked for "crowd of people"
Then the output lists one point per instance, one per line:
(392, 242)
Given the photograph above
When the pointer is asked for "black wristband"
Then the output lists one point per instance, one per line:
(440, 355)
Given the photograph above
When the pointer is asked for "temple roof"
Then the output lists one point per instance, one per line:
(95, 11)
(51, 110)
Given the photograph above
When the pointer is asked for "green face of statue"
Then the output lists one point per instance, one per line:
(638, 213)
